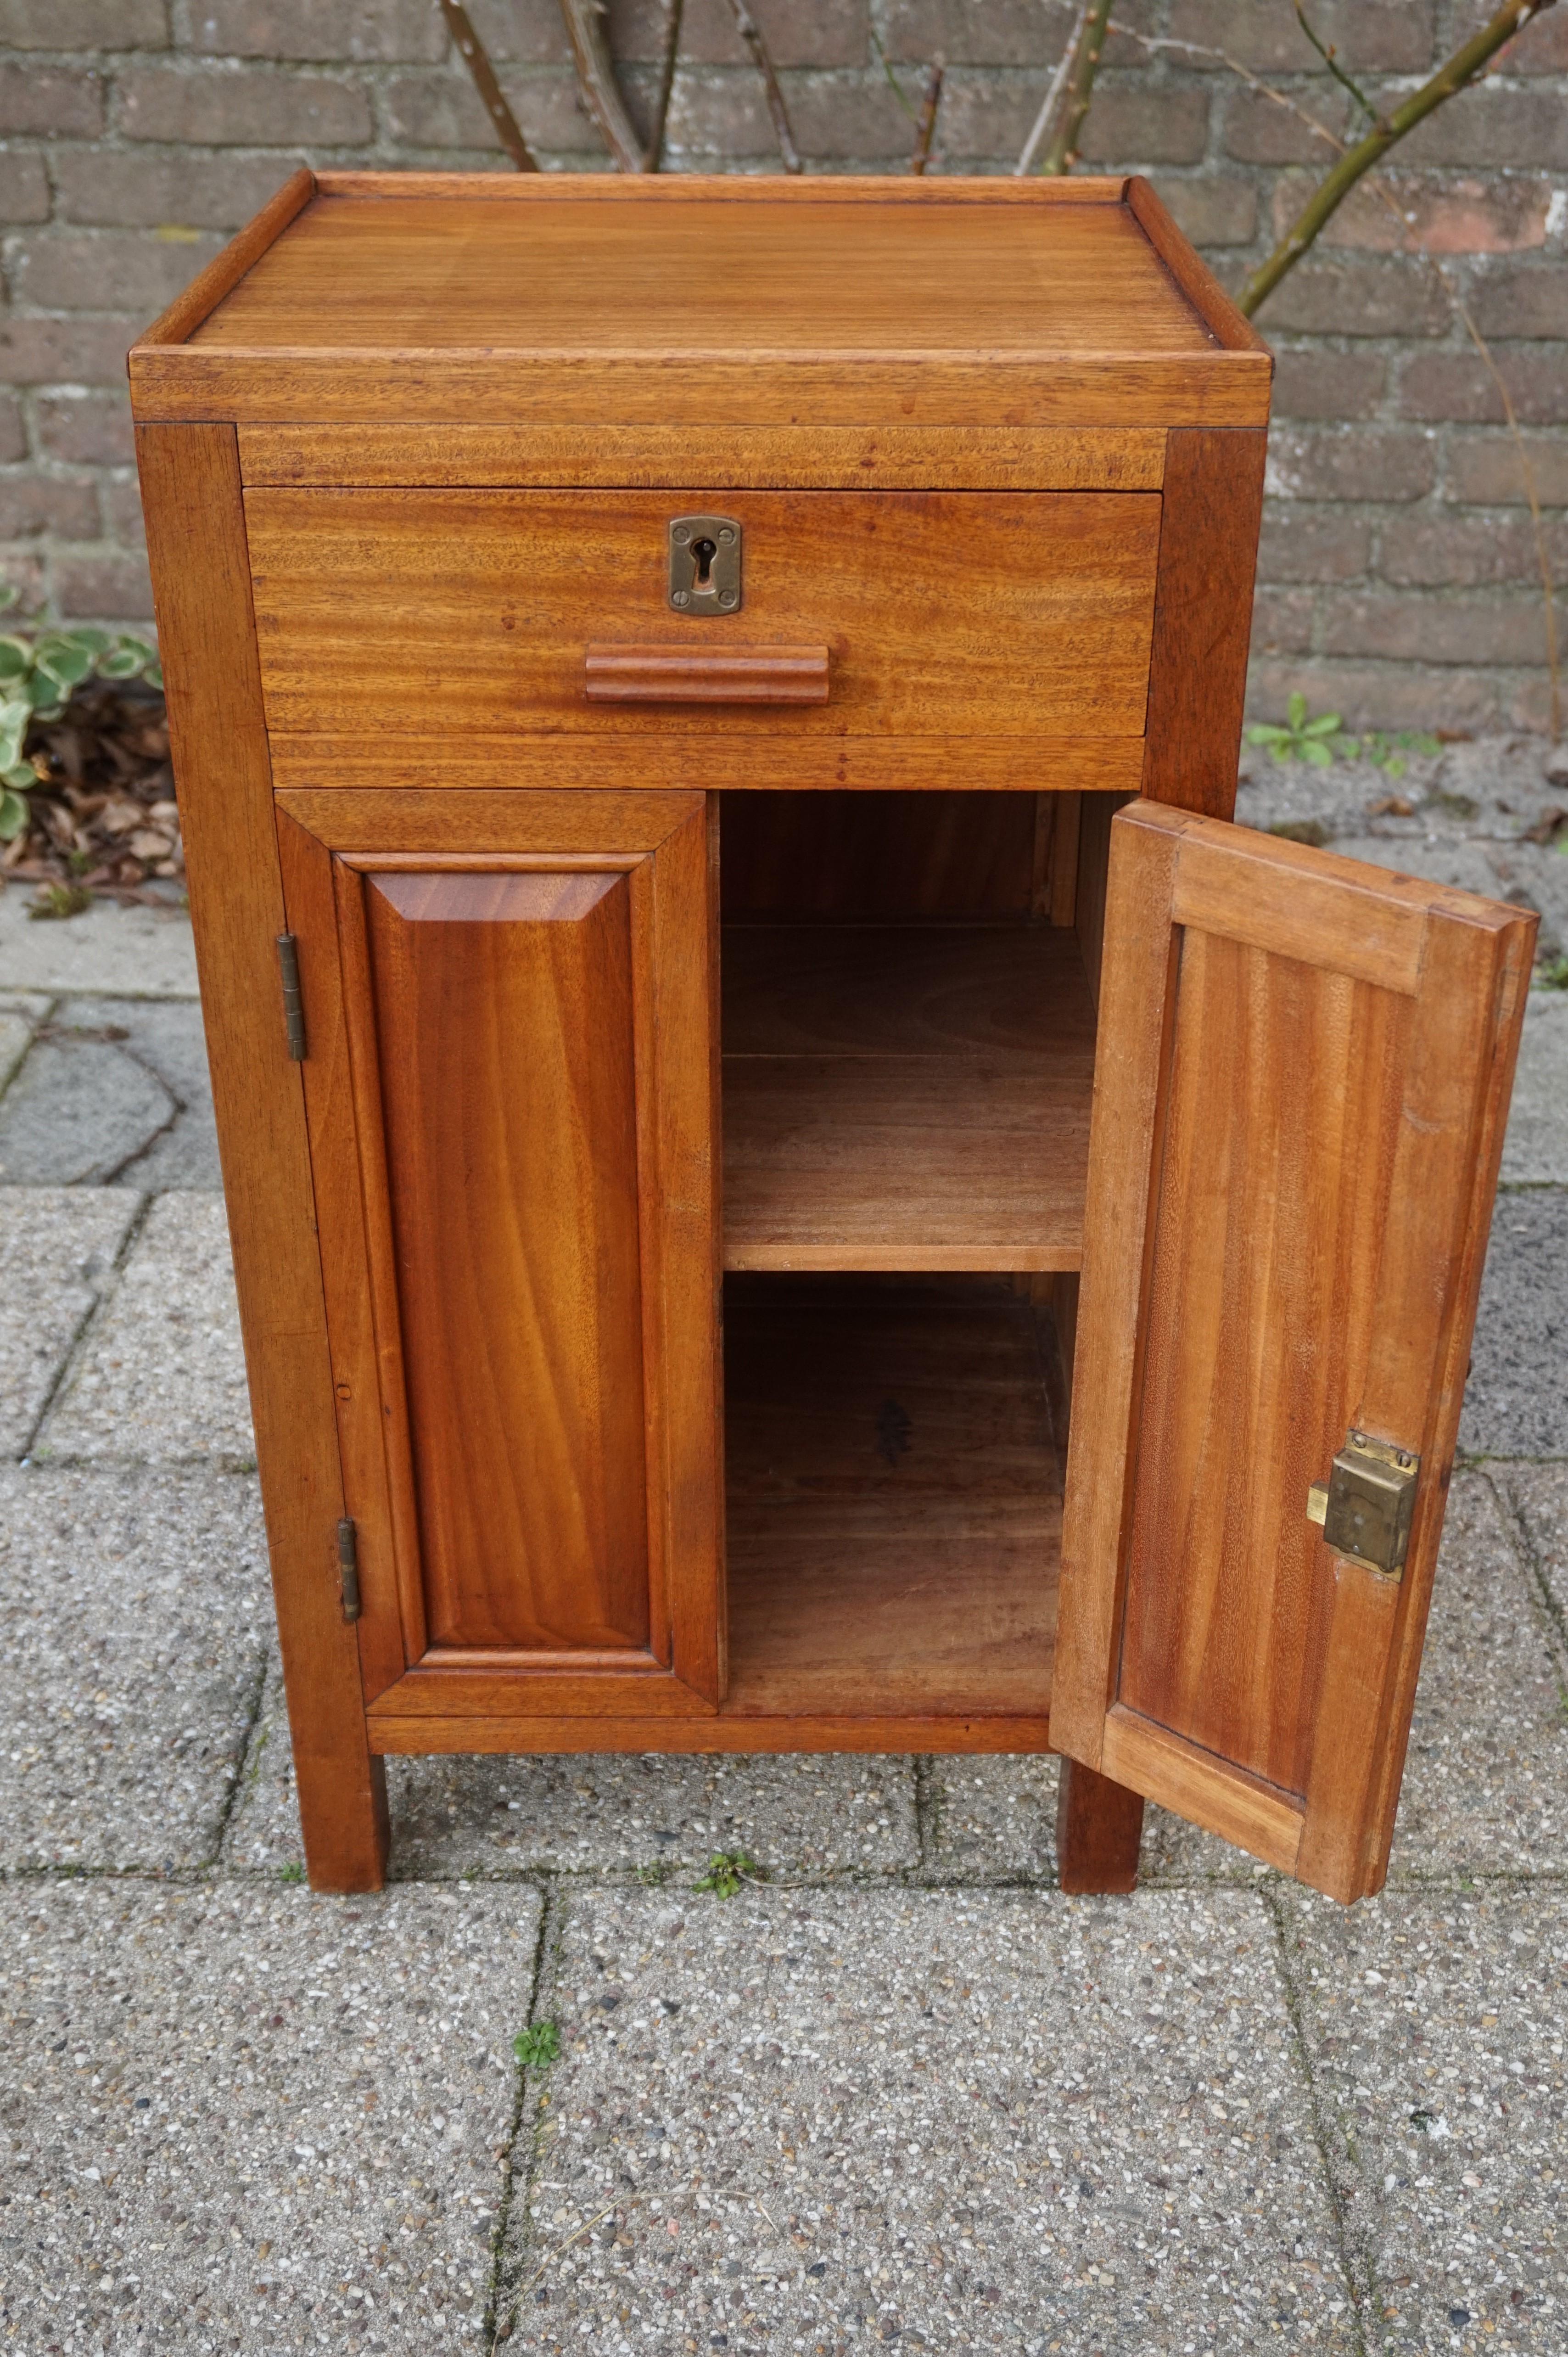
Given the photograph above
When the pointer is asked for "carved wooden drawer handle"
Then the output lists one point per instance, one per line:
(614, 674)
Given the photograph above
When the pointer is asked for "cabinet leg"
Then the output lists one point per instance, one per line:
(343, 1817)
(1098, 1828)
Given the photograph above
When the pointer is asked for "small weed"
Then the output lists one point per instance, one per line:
(538, 2044)
(1392, 753)
(1553, 974)
(292, 1872)
(1301, 739)
(61, 901)
(1457, 806)
(728, 1869)
(654, 1874)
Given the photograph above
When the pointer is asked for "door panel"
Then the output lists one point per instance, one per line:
(512, 1264)
(1303, 1066)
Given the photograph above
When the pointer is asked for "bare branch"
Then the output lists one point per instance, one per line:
(654, 155)
(747, 26)
(925, 130)
(475, 57)
(1062, 153)
(1152, 41)
(1331, 192)
(1330, 57)
(893, 84)
(1054, 89)
(596, 80)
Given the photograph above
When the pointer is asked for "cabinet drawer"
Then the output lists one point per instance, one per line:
(1014, 614)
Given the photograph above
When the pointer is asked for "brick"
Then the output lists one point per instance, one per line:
(1489, 123)
(1256, 131)
(984, 116)
(1128, 126)
(1465, 216)
(1311, 382)
(103, 588)
(1301, 543)
(87, 429)
(840, 118)
(41, 99)
(1529, 706)
(1379, 695)
(1542, 48)
(93, 270)
(1341, 296)
(1371, 36)
(1213, 208)
(1484, 469)
(1467, 552)
(442, 111)
(100, 188)
(89, 351)
(1433, 630)
(245, 106)
(1007, 33)
(24, 186)
(83, 25)
(1459, 385)
(1522, 300)
(23, 571)
(13, 430)
(362, 32)
(809, 34)
(526, 32)
(31, 505)
(1282, 622)
(120, 498)
(1358, 462)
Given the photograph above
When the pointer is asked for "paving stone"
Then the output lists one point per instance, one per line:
(143, 953)
(993, 2121)
(162, 1374)
(59, 1253)
(114, 1090)
(137, 1619)
(19, 1016)
(1539, 1496)
(991, 1817)
(255, 2121)
(1516, 1401)
(600, 1813)
(1436, 2024)
(1496, 789)
(1535, 1151)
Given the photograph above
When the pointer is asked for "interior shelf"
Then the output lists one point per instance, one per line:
(905, 1096)
(894, 1499)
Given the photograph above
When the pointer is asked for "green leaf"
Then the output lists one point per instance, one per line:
(154, 674)
(85, 645)
(20, 774)
(15, 720)
(728, 1869)
(1263, 732)
(16, 659)
(1327, 724)
(1317, 754)
(1295, 711)
(119, 662)
(12, 816)
(538, 2044)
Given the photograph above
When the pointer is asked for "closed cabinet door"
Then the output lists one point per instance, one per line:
(1302, 1081)
(508, 1081)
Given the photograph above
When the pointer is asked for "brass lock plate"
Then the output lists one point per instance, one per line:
(1365, 1508)
(704, 565)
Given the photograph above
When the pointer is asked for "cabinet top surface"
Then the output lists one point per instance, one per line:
(717, 274)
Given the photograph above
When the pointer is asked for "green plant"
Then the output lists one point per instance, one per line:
(1301, 739)
(728, 1869)
(60, 899)
(37, 677)
(1392, 753)
(537, 2045)
(292, 1872)
(1553, 974)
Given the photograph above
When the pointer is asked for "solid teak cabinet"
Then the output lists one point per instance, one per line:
(818, 1193)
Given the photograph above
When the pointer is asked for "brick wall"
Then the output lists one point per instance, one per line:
(1399, 578)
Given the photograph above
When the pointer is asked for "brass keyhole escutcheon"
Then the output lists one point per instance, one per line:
(704, 565)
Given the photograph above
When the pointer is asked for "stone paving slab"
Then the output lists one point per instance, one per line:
(1535, 1150)
(56, 1256)
(136, 1613)
(988, 2121)
(1497, 790)
(19, 1016)
(1539, 1496)
(1516, 1401)
(161, 1375)
(140, 953)
(255, 2121)
(1437, 2023)
(115, 1091)
(600, 1813)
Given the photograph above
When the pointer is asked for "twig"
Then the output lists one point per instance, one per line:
(1329, 55)
(925, 130)
(1223, 57)
(893, 84)
(1054, 89)
(524, 2289)
(747, 26)
(654, 155)
(1331, 191)
(1062, 153)
(475, 57)
(596, 80)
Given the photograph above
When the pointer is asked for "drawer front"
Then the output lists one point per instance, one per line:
(1003, 614)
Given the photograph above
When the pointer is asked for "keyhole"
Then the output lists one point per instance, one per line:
(702, 555)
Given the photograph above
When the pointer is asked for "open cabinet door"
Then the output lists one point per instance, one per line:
(1303, 1073)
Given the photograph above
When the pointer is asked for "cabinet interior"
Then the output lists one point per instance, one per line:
(908, 1058)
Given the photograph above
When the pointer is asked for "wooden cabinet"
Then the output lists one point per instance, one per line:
(817, 1192)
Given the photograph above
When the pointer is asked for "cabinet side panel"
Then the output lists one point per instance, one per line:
(1203, 616)
(191, 482)
(504, 1019)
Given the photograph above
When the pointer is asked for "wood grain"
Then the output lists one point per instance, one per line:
(905, 1097)
(508, 1730)
(613, 673)
(372, 454)
(190, 483)
(1100, 1827)
(362, 597)
(1203, 616)
(1228, 326)
(487, 822)
(879, 857)
(224, 271)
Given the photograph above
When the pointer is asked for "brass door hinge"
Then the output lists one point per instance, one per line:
(292, 1005)
(1365, 1504)
(348, 1566)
